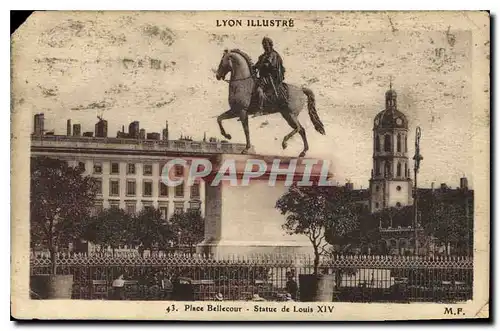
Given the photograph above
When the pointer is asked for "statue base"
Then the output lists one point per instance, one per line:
(243, 220)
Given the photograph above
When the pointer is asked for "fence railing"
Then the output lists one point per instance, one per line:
(358, 278)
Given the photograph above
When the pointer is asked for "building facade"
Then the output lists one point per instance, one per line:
(128, 169)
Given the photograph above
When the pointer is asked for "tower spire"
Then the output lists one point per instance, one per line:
(390, 82)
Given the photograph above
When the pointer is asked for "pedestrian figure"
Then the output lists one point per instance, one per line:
(291, 285)
(167, 287)
(118, 288)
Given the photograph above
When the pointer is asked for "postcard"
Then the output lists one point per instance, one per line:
(274, 165)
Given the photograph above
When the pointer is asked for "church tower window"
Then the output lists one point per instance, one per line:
(377, 143)
(399, 143)
(406, 170)
(388, 171)
(399, 170)
(406, 143)
(387, 143)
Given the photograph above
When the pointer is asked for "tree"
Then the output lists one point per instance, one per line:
(315, 211)
(150, 230)
(363, 231)
(60, 202)
(448, 224)
(190, 226)
(395, 217)
(112, 227)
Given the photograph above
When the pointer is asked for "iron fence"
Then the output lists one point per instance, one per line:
(356, 278)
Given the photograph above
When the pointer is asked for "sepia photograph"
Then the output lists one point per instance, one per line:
(250, 165)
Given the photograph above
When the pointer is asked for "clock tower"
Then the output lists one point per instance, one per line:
(390, 183)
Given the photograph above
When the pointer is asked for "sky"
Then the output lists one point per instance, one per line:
(158, 66)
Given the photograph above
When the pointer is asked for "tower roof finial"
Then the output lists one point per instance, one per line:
(390, 82)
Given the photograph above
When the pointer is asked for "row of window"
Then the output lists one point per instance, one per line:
(388, 144)
(147, 169)
(130, 207)
(388, 169)
(147, 188)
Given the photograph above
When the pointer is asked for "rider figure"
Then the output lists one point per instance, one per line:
(271, 72)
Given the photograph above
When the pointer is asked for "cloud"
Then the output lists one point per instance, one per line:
(162, 103)
(94, 105)
(57, 64)
(65, 34)
(62, 34)
(48, 92)
(165, 35)
(117, 89)
(219, 39)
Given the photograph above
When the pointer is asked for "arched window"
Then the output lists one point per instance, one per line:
(406, 170)
(377, 168)
(387, 170)
(406, 143)
(377, 143)
(387, 143)
(399, 170)
(399, 143)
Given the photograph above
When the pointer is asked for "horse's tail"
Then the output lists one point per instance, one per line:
(313, 114)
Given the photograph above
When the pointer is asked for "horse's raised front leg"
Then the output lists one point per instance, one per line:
(244, 123)
(225, 116)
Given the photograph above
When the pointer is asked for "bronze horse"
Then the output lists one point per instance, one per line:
(241, 89)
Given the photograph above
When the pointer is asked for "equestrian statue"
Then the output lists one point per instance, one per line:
(260, 90)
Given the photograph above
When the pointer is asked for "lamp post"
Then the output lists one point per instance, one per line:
(417, 158)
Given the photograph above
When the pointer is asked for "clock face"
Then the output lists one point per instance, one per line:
(399, 121)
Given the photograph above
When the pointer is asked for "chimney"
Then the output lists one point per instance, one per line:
(39, 124)
(133, 130)
(443, 186)
(464, 185)
(77, 130)
(349, 186)
(101, 128)
(142, 134)
(432, 186)
(68, 127)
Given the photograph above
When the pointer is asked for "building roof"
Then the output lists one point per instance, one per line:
(391, 118)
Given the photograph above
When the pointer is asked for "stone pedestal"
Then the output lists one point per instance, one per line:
(242, 219)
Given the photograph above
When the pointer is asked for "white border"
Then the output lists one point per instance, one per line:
(184, 5)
